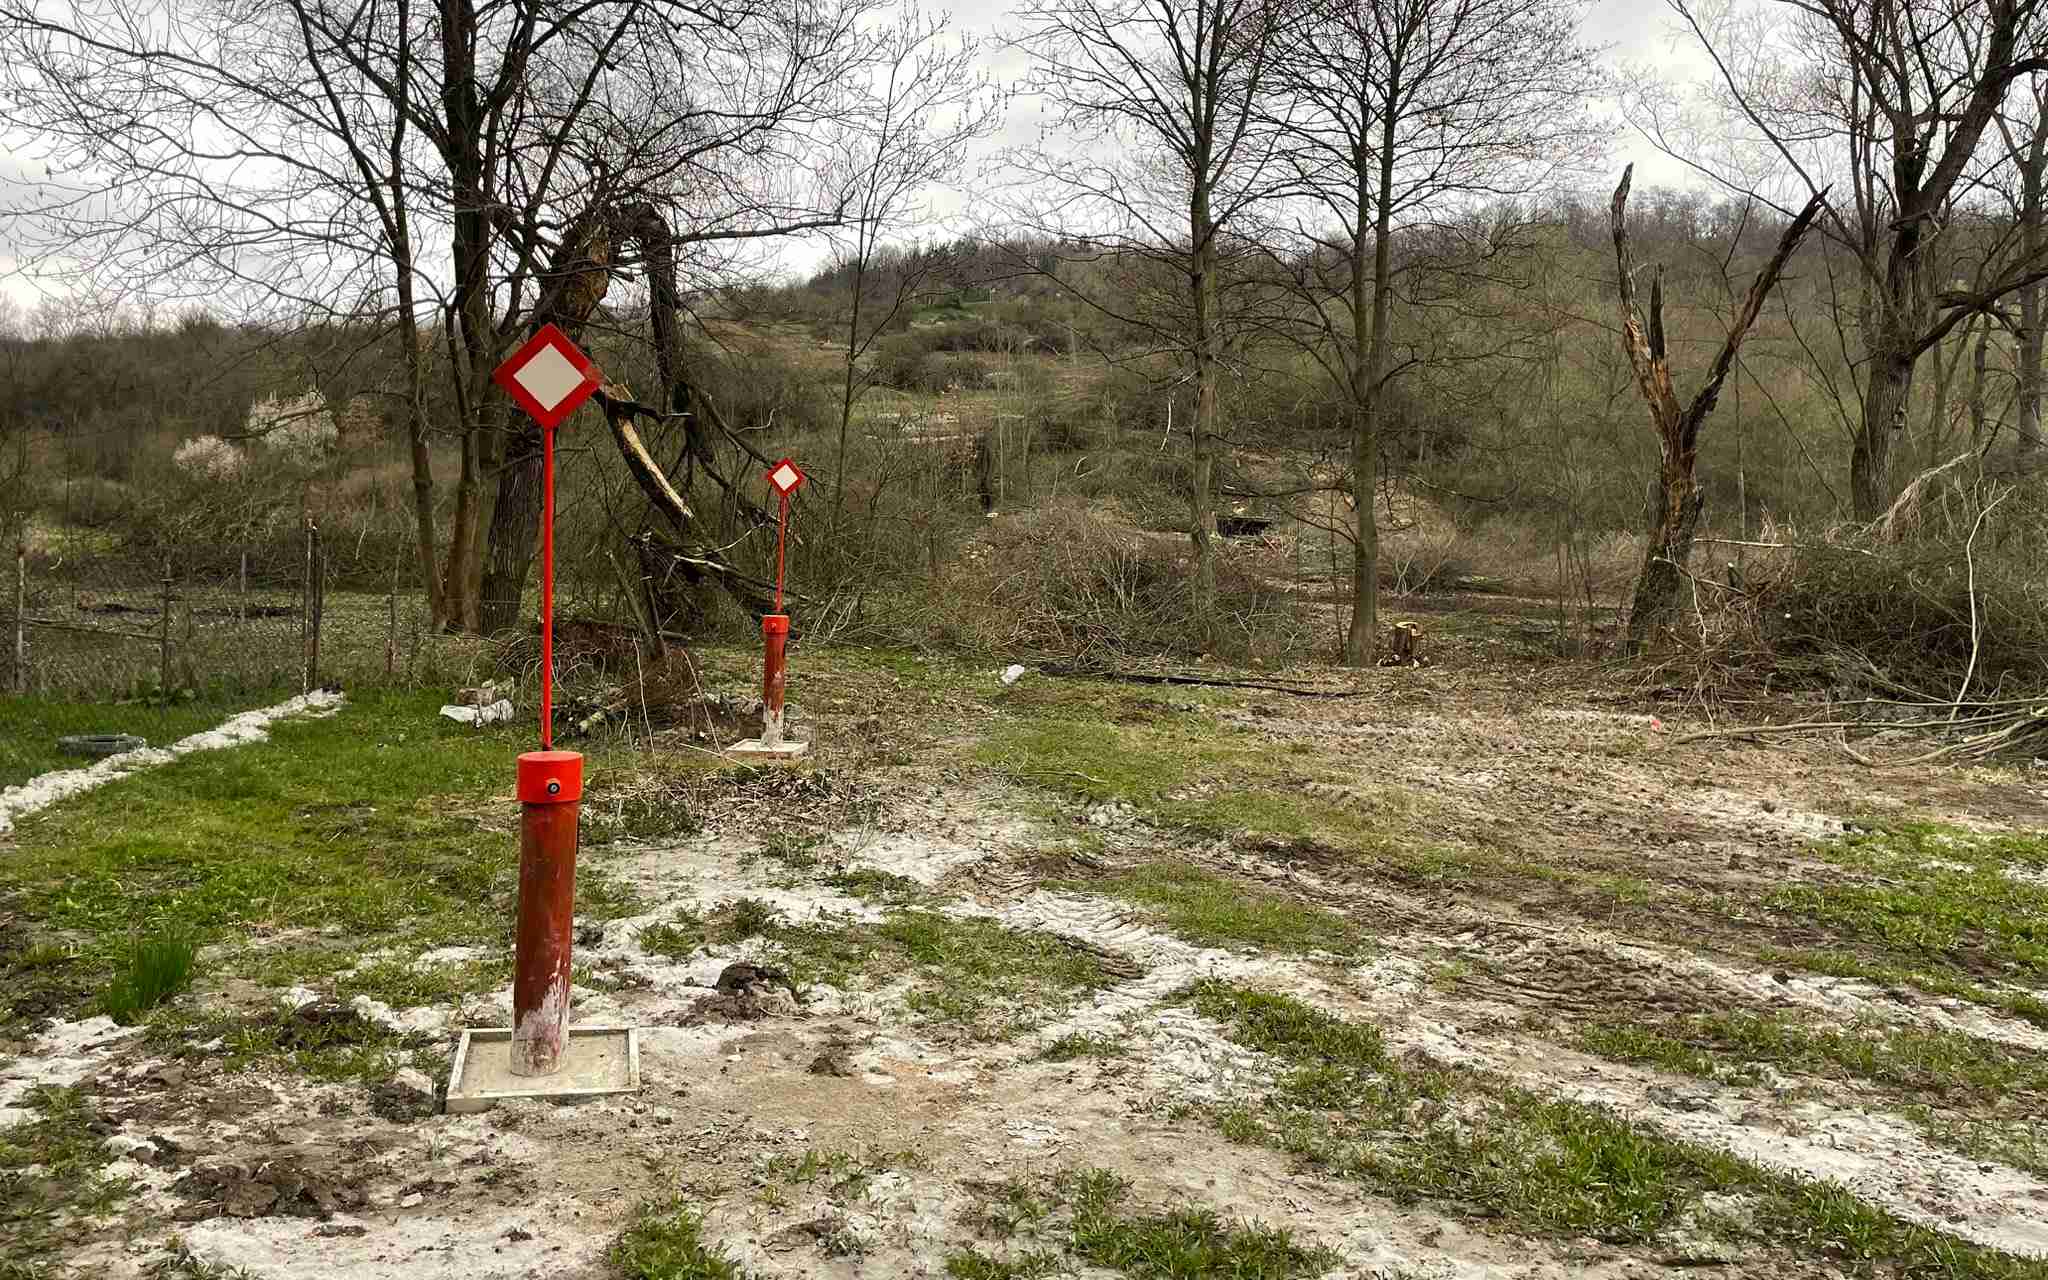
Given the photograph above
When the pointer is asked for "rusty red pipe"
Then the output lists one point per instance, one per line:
(774, 636)
(550, 802)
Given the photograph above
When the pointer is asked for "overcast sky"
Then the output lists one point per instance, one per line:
(1636, 30)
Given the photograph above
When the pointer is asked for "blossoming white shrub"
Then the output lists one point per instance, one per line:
(300, 430)
(208, 458)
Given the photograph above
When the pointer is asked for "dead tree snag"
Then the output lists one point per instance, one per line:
(1677, 499)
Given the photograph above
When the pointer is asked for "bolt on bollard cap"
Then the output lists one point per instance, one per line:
(550, 777)
(774, 624)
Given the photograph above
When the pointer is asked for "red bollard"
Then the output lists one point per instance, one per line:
(550, 801)
(774, 635)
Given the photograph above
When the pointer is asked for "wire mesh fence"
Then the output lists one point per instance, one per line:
(92, 627)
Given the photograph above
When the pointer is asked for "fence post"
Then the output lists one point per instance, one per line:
(163, 643)
(21, 616)
(306, 615)
(316, 594)
(391, 629)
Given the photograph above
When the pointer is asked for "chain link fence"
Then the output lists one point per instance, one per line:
(81, 626)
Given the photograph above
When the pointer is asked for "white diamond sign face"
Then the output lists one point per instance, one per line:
(549, 377)
(784, 477)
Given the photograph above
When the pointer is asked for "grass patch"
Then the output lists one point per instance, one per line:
(665, 1241)
(158, 967)
(323, 1041)
(380, 822)
(34, 724)
(1650, 1046)
(972, 974)
(2023, 1005)
(1185, 1244)
(1078, 1044)
(50, 1175)
(877, 886)
(1214, 910)
(1933, 892)
(1543, 1164)
(972, 1264)
(985, 978)
(1944, 1064)
(1189, 1242)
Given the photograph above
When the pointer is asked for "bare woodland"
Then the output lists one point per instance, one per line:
(1339, 263)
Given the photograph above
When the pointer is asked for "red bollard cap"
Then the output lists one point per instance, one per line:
(775, 624)
(550, 777)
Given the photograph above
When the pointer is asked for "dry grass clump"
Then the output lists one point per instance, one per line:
(1063, 580)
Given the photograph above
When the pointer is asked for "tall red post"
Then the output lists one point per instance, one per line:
(550, 802)
(774, 636)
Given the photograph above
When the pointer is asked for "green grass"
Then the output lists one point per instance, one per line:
(1214, 910)
(665, 1242)
(1837, 963)
(1186, 1243)
(1080, 1044)
(326, 1043)
(1938, 1063)
(29, 746)
(50, 1175)
(971, 974)
(1933, 893)
(1539, 1164)
(158, 968)
(382, 824)
(972, 1264)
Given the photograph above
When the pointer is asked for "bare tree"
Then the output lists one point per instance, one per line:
(1891, 100)
(1399, 116)
(2025, 133)
(1168, 141)
(1675, 517)
(453, 172)
(931, 107)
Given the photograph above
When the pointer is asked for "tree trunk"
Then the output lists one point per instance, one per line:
(1369, 371)
(1885, 399)
(1202, 513)
(2031, 243)
(1670, 550)
(514, 529)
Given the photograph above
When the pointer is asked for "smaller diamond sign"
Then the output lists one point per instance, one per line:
(784, 477)
(548, 377)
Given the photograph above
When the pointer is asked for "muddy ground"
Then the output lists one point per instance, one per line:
(1521, 852)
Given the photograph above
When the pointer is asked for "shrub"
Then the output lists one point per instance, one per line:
(209, 458)
(1064, 580)
(299, 431)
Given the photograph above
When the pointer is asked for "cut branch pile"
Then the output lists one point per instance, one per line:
(1973, 730)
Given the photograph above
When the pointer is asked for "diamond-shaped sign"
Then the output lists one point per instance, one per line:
(548, 377)
(784, 477)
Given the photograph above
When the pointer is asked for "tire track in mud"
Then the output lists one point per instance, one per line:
(1880, 1159)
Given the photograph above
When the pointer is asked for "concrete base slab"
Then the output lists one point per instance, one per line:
(597, 1061)
(755, 749)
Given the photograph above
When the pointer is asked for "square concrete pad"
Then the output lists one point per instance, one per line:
(755, 749)
(598, 1061)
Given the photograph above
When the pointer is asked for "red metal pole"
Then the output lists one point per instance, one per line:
(547, 590)
(774, 634)
(781, 536)
(550, 802)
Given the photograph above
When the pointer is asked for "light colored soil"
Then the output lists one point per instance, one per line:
(1496, 757)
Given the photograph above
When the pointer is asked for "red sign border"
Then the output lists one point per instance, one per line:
(800, 477)
(549, 336)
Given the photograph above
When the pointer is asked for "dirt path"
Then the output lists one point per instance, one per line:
(1549, 863)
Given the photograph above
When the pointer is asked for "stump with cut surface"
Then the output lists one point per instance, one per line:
(1403, 647)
